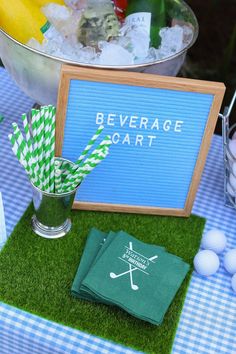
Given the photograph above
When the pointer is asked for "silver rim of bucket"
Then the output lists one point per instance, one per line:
(115, 67)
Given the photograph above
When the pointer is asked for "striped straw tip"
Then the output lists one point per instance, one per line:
(57, 163)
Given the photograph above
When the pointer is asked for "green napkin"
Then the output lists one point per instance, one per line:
(140, 278)
(110, 237)
(94, 243)
(97, 243)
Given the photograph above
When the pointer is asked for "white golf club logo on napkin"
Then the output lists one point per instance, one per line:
(136, 261)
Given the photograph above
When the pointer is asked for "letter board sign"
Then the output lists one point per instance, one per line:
(161, 128)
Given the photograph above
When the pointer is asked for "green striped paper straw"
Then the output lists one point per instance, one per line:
(23, 147)
(106, 142)
(59, 164)
(89, 166)
(36, 153)
(79, 172)
(46, 147)
(101, 148)
(90, 144)
(28, 138)
(40, 140)
(65, 167)
(21, 142)
(18, 153)
(35, 116)
(58, 175)
(93, 161)
(52, 149)
(27, 133)
(16, 150)
(58, 183)
(40, 137)
(86, 150)
(44, 113)
(90, 163)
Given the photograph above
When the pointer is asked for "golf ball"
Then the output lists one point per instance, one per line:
(232, 180)
(206, 262)
(214, 240)
(230, 190)
(234, 136)
(233, 166)
(233, 282)
(230, 261)
(232, 150)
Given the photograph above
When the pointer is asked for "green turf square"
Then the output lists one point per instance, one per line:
(36, 275)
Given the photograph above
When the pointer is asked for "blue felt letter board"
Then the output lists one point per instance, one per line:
(157, 133)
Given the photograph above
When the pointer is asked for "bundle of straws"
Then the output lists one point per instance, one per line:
(36, 153)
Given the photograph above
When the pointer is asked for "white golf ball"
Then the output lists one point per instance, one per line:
(230, 190)
(232, 180)
(233, 167)
(214, 240)
(232, 150)
(206, 262)
(234, 136)
(233, 282)
(230, 261)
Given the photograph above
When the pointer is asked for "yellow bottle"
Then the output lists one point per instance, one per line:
(23, 19)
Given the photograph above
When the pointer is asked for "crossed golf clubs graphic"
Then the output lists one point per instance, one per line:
(131, 270)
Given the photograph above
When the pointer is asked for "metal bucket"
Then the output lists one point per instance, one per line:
(229, 132)
(51, 218)
(37, 74)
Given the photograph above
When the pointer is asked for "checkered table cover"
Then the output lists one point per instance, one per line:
(208, 321)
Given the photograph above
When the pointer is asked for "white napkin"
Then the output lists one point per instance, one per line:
(3, 234)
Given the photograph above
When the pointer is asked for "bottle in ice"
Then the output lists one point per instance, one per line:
(23, 19)
(149, 14)
(120, 7)
(98, 22)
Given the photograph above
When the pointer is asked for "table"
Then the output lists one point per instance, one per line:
(208, 321)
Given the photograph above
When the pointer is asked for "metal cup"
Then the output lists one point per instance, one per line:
(51, 211)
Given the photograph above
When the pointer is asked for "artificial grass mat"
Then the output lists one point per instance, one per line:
(37, 274)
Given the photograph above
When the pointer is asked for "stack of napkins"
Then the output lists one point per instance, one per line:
(3, 234)
(117, 269)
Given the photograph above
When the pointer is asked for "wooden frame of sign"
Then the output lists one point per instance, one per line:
(82, 93)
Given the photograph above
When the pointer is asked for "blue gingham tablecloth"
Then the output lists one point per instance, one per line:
(208, 320)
